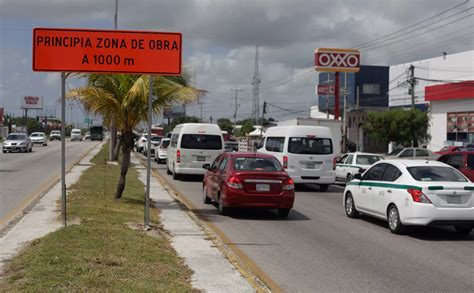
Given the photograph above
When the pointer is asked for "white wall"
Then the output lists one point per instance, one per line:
(439, 110)
(459, 66)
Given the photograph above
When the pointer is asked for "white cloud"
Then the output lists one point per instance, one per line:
(219, 39)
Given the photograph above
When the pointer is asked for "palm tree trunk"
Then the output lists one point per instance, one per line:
(113, 139)
(127, 144)
(117, 149)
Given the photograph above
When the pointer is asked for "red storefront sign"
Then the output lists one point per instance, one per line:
(450, 91)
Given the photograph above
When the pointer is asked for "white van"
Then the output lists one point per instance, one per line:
(192, 145)
(76, 134)
(306, 152)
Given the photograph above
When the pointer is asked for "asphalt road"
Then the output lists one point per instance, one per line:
(22, 174)
(319, 249)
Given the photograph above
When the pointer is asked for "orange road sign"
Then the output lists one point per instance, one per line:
(106, 51)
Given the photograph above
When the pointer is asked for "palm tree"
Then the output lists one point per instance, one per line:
(125, 97)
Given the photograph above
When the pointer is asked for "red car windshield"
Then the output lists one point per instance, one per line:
(257, 164)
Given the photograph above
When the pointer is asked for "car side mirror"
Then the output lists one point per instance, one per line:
(358, 176)
(206, 166)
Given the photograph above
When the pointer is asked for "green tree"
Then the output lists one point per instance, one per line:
(247, 127)
(125, 97)
(403, 127)
(226, 124)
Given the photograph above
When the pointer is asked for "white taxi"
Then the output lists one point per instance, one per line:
(352, 163)
(412, 192)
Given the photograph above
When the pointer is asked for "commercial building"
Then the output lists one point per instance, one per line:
(445, 88)
(372, 82)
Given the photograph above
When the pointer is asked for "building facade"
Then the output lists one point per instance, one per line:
(445, 88)
(372, 82)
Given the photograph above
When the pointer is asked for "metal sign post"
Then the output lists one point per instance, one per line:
(63, 147)
(148, 152)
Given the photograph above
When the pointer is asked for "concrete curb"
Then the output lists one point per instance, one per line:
(43, 218)
(248, 269)
(212, 270)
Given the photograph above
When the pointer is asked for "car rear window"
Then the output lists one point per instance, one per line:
(367, 159)
(310, 146)
(36, 134)
(16, 136)
(435, 173)
(201, 141)
(257, 164)
(165, 143)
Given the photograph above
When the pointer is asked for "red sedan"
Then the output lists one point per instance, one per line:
(248, 180)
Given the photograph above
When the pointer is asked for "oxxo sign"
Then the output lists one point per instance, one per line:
(337, 60)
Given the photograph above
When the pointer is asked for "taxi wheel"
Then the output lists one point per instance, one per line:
(394, 223)
(205, 198)
(349, 206)
(463, 230)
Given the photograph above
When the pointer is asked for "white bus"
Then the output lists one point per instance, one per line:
(192, 145)
(306, 152)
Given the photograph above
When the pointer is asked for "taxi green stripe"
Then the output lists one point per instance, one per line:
(383, 184)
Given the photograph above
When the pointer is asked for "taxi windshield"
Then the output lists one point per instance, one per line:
(435, 173)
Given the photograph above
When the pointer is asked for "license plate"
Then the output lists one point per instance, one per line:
(201, 158)
(310, 165)
(454, 199)
(262, 187)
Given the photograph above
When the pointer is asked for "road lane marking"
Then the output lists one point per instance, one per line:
(38, 193)
(247, 267)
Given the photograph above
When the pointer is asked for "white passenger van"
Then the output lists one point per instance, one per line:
(192, 145)
(306, 152)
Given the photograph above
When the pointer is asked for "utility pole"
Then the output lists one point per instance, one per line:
(200, 106)
(412, 82)
(344, 118)
(264, 111)
(236, 104)
(357, 98)
(327, 98)
(210, 118)
(70, 106)
(255, 84)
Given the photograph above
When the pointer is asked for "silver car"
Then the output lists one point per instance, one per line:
(412, 154)
(39, 138)
(18, 142)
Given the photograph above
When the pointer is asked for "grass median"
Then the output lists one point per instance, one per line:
(100, 252)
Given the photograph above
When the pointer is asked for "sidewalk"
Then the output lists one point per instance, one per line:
(44, 217)
(212, 271)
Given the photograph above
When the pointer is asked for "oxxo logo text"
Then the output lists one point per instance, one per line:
(337, 60)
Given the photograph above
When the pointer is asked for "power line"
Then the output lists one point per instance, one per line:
(435, 45)
(236, 104)
(422, 33)
(412, 25)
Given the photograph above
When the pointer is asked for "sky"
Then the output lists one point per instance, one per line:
(219, 39)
